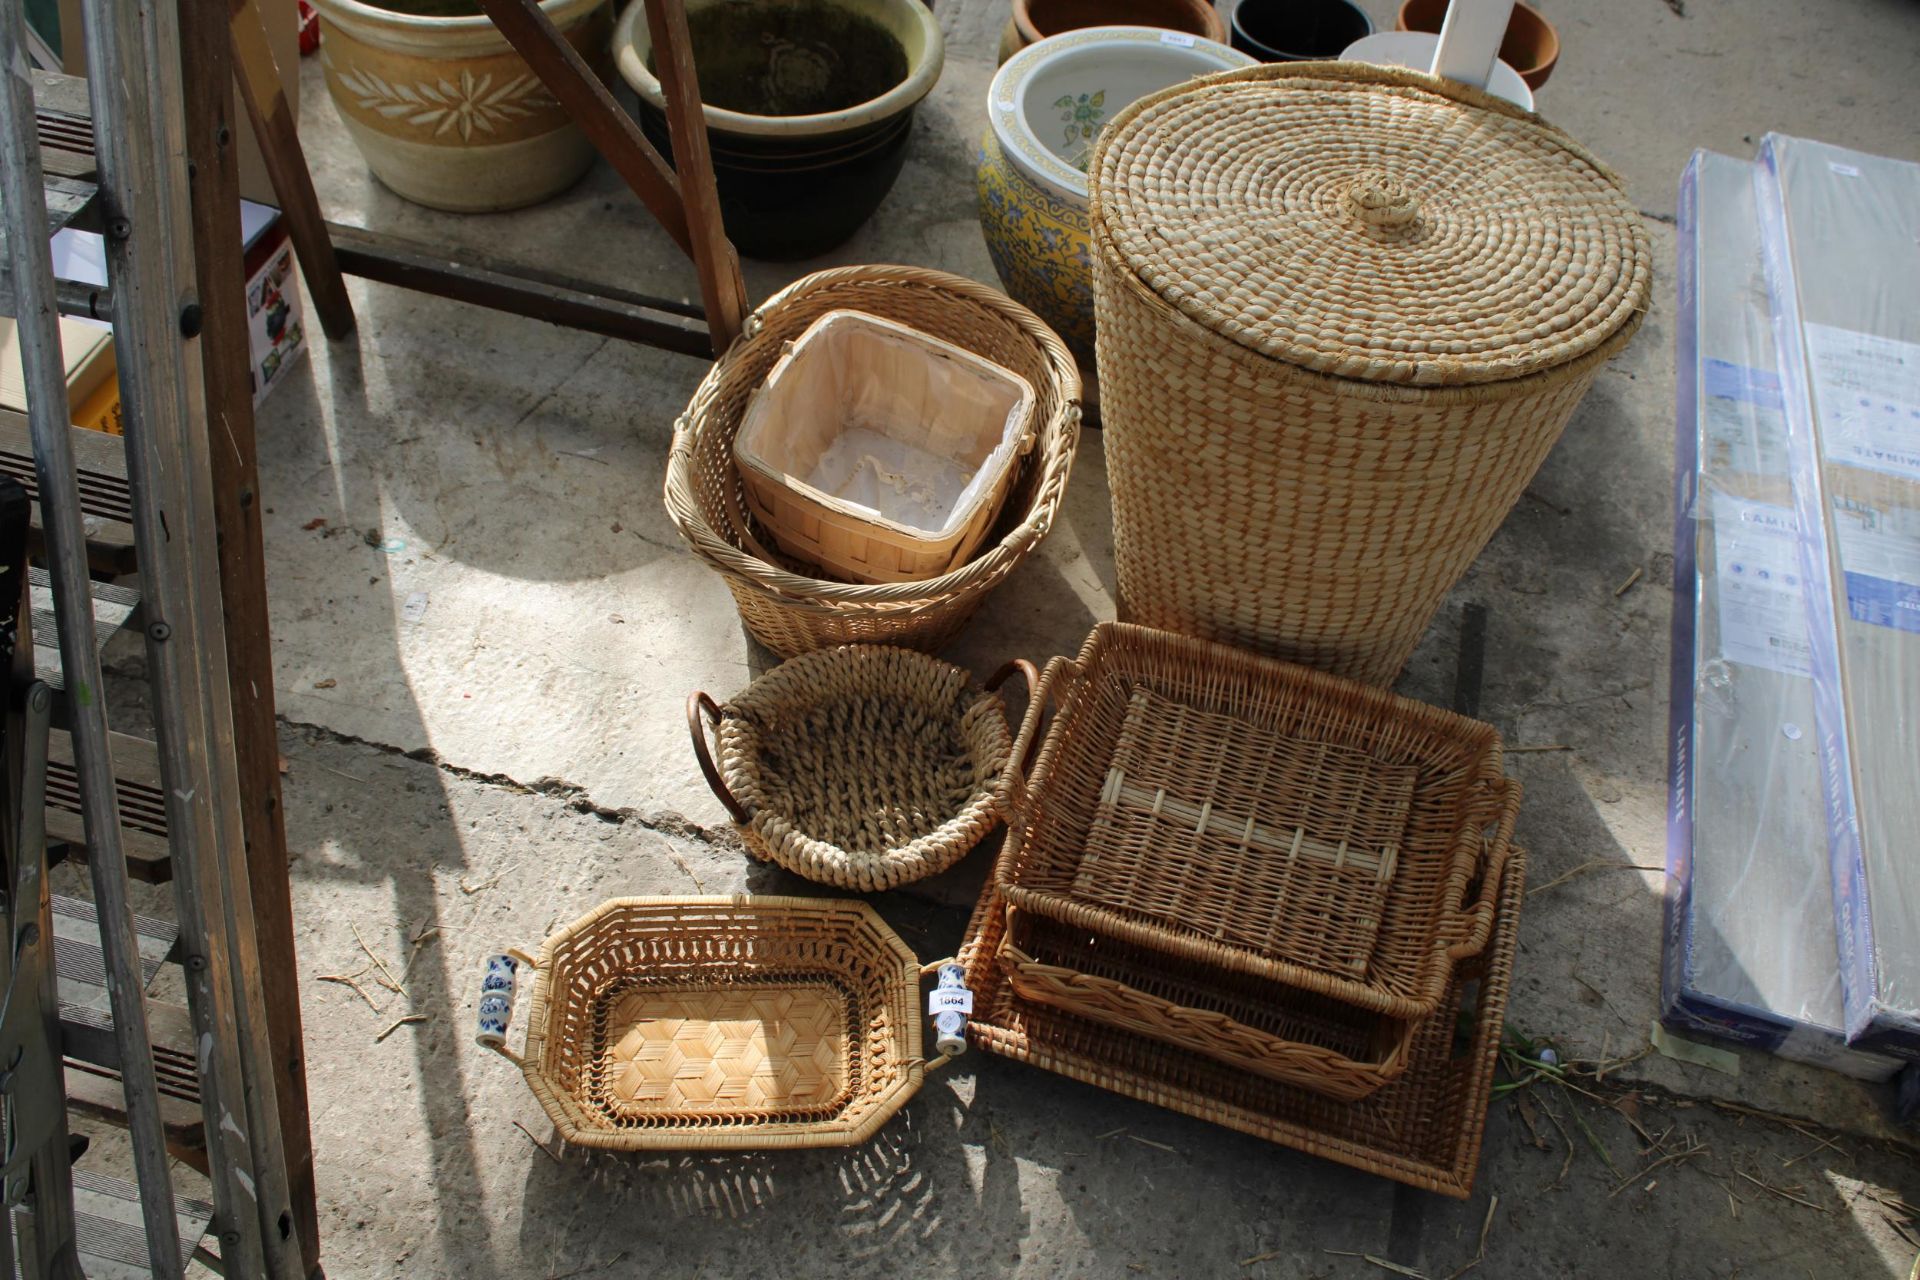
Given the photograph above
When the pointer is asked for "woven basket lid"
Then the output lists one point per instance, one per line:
(1371, 223)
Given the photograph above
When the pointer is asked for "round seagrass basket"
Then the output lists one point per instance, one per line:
(783, 604)
(1344, 312)
(862, 766)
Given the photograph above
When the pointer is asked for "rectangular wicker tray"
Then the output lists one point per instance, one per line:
(1259, 817)
(1254, 1024)
(1424, 1129)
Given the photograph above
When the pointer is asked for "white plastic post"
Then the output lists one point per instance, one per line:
(1470, 40)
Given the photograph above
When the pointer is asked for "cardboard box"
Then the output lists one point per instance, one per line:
(276, 322)
(282, 19)
(86, 347)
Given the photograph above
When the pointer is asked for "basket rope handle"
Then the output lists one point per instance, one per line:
(1011, 795)
(494, 1013)
(1477, 919)
(699, 703)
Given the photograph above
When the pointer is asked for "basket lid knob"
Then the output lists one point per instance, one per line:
(1382, 203)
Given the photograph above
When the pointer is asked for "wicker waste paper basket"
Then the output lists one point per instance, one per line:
(1343, 314)
(785, 604)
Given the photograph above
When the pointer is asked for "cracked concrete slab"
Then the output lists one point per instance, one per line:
(485, 631)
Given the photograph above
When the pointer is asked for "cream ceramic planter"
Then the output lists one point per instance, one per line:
(444, 110)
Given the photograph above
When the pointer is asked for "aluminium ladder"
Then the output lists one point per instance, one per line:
(141, 201)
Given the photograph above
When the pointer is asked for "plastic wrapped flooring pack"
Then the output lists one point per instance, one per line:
(1750, 952)
(1841, 238)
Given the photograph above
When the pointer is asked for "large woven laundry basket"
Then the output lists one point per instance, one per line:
(787, 606)
(1344, 313)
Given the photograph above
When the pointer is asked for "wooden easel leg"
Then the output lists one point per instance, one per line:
(684, 202)
(252, 59)
(721, 288)
(226, 363)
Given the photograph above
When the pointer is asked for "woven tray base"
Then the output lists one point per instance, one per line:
(1424, 1129)
(775, 1048)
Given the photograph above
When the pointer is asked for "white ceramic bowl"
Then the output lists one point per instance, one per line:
(1050, 100)
(1415, 49)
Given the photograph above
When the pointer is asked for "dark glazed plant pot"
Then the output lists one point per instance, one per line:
(1531, 45)
(1297, 30)
(782, 203)
(795, 186)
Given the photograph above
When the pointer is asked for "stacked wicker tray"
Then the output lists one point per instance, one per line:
(1230, 869)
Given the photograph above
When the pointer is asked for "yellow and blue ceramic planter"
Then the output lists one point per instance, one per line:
(1044, 109)
(1038, 243)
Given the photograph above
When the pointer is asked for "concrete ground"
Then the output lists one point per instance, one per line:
(486, 629)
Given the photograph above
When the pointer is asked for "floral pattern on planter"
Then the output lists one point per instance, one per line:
(1084, 116)
(452, 101)
(473, 103)
(1040, 248)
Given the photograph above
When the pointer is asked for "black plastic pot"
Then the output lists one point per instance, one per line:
(787, 199)
(1297, 30)
(797, 185)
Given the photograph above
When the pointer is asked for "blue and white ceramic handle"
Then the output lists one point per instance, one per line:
(948, 1005)
(494, 1014)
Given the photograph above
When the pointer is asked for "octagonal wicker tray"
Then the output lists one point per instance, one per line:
(1423, 1129)
(715, 1023)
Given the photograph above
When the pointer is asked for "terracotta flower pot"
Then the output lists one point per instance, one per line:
(1037, 19)
(1531, 45)
(446, 113)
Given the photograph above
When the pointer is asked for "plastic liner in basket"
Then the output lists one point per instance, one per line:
(861, 766)
(791, 610)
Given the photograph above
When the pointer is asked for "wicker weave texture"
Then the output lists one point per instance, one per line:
(1263, 1027)
(1313, 424)
(1423, 1129)
(864, 766)
(1253, 836)
(1372, 223)
(786, 608)
(774, 1049)
(723, 1023)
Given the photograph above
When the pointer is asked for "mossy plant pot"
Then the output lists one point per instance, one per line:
(796, 186)
(446, 113)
